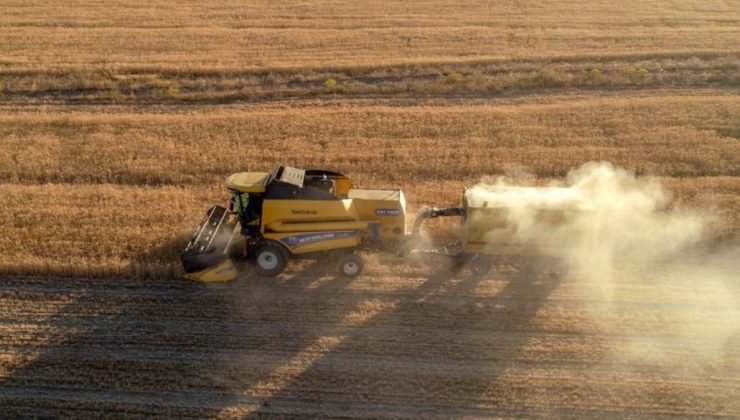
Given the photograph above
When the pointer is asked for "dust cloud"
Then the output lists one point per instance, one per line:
(645, 266)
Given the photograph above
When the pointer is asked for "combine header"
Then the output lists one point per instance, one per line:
(289, 212)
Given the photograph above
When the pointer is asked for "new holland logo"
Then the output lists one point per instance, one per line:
(309, 238)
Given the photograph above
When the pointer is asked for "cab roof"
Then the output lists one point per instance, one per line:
(248, 182)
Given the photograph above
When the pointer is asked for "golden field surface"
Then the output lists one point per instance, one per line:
(120, 120)
(96, 193)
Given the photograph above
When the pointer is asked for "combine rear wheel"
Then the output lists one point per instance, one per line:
(271, 259)
(350, 265)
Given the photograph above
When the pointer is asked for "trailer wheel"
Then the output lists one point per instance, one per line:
(350, 265)
(271, 259)
(391, 245)
(480, 264)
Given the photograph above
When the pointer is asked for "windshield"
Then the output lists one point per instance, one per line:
(239, 202)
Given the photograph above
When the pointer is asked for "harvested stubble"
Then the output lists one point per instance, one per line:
(226, 51)
(263, 34)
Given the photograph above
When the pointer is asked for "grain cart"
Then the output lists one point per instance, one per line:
(503, 220)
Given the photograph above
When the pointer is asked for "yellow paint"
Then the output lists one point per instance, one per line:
(386, 207)
(224, 271)
(496, 229)
(368, 202)
(314, 227)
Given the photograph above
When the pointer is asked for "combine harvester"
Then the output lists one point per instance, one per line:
(289, 212)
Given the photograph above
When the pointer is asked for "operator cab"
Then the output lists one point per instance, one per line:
(247, 190)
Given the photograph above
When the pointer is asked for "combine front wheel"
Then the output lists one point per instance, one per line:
(271, 259)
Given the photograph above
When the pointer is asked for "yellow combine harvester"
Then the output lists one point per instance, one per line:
(288, 212)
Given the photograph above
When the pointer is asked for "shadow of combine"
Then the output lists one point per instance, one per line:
(113, 346)
(260, 346)
(157, 346)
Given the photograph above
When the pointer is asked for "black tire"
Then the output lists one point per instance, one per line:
(350, 265)
(391, 245)
(270, 259)
(480, 264)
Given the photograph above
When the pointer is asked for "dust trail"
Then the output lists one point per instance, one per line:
(624, 241)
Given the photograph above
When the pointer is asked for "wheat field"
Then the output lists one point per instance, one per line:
(119, 122)
(88, 192)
